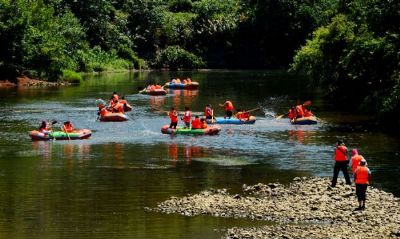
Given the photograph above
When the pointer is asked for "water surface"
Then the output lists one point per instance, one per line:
(98, 188)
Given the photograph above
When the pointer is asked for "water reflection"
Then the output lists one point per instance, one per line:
(301, 136)
(185, 153)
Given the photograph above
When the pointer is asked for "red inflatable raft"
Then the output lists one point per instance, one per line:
(114, 117)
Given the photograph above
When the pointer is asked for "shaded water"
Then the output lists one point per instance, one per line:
(98, 188)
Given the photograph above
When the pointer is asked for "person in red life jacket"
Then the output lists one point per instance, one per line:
(292, 113)
(187, 117)
(362, 178)
(243, 115)
(68, 127)
(127, 107)
(184, 82)
(158, 86)
(209, 112)
(203, 123)
(307, 112)
(299, 110)
(173, 115)
(115, 96)
(111, 103)
(196, 124)
(44, 127)
(118, 107)
(228, 107)
(355, 159)
(341, 163)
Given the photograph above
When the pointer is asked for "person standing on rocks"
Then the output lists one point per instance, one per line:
(341, 163)
(362, 177)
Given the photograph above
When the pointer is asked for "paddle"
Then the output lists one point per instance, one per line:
(281, 116)
(252, 110)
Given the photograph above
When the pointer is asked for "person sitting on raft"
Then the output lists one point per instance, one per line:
(173, 81)
(115, 96)
(203, 123)
(292, 113)
(189, 81)
(187, 117)
(209, 112)
(126, 106)
(118, 107)
(44, 127)
(178, 81)
(243, 115)
(299, 110)
(228, 107)
(173, 115)
(196, 124)
(68, 127)
(102, 109)
(184, 81)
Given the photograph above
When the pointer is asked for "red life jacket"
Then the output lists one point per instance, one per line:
(355, 162)
(307, 113)
(173, 116)
(291, 114)
(196, 124)
(243, 115)
(68, 128)
(187, 116)
(228, 106)
(341, 153)
(361, 175)
(208, 112)
(299, 111)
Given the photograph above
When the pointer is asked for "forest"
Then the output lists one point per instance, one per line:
(349, 47)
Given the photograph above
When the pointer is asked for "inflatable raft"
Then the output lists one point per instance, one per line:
(305, 120)
(61, 135)
(114, 117)
(154, 92)
(210, 130)
(222, 120)
(190, 86)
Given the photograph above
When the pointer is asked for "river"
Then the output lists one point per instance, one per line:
(98, 188)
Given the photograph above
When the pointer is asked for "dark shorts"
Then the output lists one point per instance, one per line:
(187, 124)
(361, 191)
(228, 113)
(173, 125)
(209, 117)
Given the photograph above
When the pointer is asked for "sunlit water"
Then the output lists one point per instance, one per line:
(98, 188)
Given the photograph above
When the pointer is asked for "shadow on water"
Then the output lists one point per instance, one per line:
(99, 187)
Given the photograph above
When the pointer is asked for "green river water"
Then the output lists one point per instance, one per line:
(99, 187)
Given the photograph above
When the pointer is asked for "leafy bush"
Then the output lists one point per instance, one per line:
(174, 57)
(71, 76)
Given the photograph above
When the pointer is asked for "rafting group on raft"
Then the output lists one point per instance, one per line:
(116, 107)
(199, 125)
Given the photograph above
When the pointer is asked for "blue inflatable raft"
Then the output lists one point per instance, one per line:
(221, 120)
(305, 120)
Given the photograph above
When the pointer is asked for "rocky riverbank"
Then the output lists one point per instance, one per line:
(25, 81)
(307, 208)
